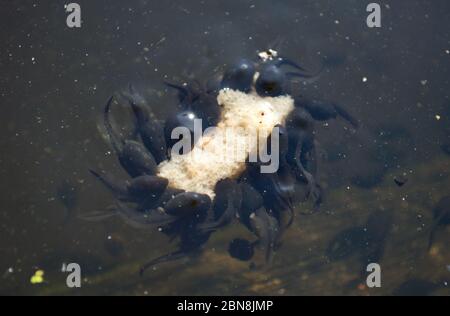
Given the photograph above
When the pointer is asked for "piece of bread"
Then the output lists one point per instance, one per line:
(221, 153)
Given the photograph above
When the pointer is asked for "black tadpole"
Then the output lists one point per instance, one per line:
(115, 142)
(400, 181)
(241, 249)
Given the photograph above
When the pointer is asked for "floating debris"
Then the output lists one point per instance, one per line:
(38, 277)
(268, 54)
(400, 180)
(8, 272)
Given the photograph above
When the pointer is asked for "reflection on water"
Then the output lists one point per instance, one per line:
(55, 82)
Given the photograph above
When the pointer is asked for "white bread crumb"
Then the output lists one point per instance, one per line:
(242, 115)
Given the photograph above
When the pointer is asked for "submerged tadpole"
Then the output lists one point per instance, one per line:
(67, 194)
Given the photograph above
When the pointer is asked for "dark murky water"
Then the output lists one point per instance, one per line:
(55, 81)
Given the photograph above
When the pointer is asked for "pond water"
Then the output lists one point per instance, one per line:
(384, 179)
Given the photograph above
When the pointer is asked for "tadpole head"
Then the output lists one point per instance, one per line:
(271, 81)
(239, 76)
(241, 249)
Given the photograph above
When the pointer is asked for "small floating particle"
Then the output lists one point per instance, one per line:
(268, 54)
(400, 181)
(38, 277)
(365, 79)
(361, 287)
(8, 272)
(438, 117)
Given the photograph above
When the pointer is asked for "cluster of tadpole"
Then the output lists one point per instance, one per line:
(263, 203)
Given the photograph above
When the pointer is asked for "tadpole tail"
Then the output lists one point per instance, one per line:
(98, 216)
(314, 189)
(317, 197)
(284, 61)
(142, 220)
(211, 226)
(346, 116)
(138, 114)
(291, 212)
(277, 43)
(224, 219)
(109, 183)
(164, 258)
(288, 203)
(306, 76)
(183, 92)
(270, 249)
(115, 142)
(214, 225)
